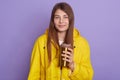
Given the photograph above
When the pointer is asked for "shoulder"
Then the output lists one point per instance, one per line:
(78, 38)
(42, 37)
(41, 40)
(81, 41)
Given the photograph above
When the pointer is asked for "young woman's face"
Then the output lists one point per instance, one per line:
(61, 21)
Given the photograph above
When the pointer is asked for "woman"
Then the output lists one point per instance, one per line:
(45, 59)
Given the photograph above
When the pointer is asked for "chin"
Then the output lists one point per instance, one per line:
(62, 30)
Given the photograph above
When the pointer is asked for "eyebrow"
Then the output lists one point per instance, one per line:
(58, 15)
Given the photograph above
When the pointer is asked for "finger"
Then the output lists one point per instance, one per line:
(68, 60)
(71, 50)
(67, 56)
(67, 52)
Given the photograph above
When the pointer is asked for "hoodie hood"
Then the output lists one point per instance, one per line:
(76, 33)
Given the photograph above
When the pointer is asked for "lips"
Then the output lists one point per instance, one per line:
(61, 26)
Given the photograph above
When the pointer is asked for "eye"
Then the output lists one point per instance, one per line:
(66, 17)
(56, 17)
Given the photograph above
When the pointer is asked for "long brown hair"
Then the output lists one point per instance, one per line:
(52, 33)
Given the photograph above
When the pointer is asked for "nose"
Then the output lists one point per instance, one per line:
(61, 20)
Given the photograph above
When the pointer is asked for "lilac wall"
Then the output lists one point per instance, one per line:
(22, 21)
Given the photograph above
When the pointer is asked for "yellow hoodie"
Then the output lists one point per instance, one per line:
(39, 69)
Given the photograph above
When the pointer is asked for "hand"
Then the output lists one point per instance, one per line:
(69, 58)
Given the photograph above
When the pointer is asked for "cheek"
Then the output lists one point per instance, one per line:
(55, 22)
(67, 22)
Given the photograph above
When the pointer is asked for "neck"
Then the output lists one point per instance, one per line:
(61, 35)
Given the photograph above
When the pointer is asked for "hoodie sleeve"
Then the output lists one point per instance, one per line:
(34, 73)
(83, 70)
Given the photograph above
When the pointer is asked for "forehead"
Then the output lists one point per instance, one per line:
(60, 12)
